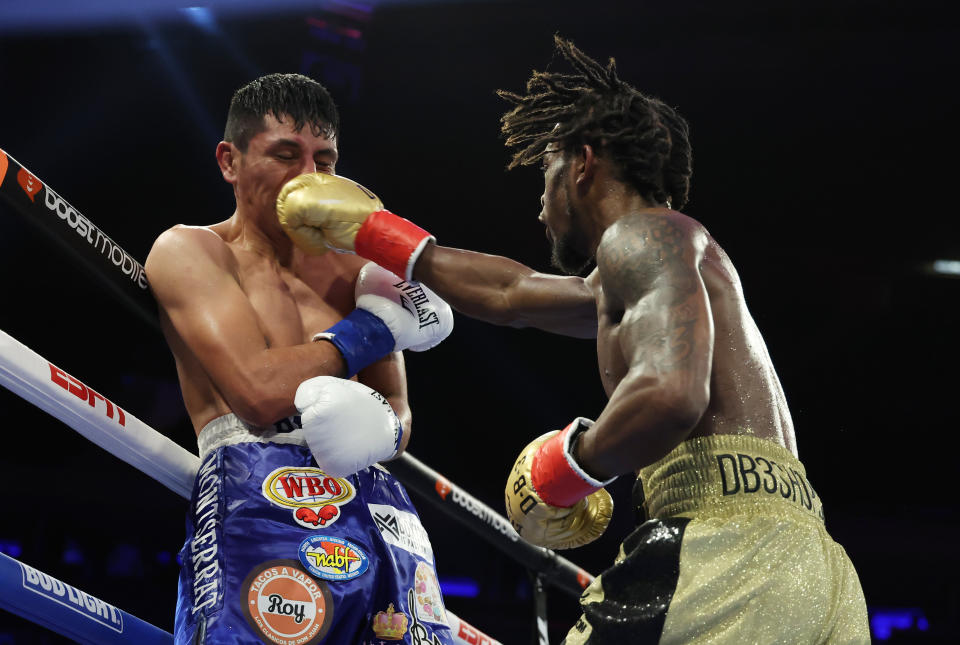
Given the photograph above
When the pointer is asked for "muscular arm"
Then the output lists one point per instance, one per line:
(501, 291)
(189, 272)
(665, 336)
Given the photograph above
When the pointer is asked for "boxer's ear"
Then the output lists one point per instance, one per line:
(227, 158)
(584, 166)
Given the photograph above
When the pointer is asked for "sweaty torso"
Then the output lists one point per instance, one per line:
(291, 304)
(745, 393)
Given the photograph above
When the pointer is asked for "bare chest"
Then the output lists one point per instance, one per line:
(294, 304)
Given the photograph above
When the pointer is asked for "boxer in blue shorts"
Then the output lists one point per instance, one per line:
(291, 371)
(278, 547)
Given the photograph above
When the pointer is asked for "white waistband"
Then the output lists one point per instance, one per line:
(231, 429)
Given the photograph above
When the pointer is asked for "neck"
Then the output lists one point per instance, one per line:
(612, 201)
(268, 241)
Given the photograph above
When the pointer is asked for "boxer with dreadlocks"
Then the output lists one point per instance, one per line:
(730, 545)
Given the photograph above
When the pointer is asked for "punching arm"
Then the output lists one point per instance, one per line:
(321, 212)
(501, 291)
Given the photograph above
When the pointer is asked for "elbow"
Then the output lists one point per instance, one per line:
(257, 415)
(260, 407)
(681, 408)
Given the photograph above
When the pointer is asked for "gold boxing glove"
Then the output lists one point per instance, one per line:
(550, 500)
(319, 211)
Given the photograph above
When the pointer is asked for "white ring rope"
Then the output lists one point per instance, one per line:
(53, 390)
(102, 421)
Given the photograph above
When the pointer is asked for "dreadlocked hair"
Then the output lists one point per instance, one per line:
(293, 96)
(645, 138)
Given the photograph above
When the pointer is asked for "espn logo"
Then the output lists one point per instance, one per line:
(84, 393)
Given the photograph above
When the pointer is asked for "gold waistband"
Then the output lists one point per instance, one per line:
(725, 475)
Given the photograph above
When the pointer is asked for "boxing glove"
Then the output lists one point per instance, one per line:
(347, 425)
(320, 211)
(391, 315)
(550, 500)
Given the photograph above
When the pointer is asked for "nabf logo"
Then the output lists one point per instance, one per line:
(315, 496)
(332, 558)
(286, 605)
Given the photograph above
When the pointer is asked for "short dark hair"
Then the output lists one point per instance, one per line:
(647, 140)
(301, 98)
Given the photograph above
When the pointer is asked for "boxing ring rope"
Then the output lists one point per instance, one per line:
(100, 420)
(42, 599)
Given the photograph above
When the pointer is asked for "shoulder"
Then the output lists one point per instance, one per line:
(182, 248)
(181, 240)
(639, 248)
(659, 232)
(653, 228)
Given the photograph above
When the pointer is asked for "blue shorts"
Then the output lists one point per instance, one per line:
(279, 552)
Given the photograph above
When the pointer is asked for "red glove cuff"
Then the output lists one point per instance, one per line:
(392, 242)
(556, 476)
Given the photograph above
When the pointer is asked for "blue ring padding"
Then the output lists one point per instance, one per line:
(362, 338)
(69, 611)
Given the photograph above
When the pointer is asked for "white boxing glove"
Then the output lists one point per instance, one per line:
(422, 319)
(391, 315)
(347, 425)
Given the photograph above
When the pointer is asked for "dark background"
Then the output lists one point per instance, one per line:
(824, 147)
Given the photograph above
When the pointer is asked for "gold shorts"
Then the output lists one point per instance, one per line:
(735, 552)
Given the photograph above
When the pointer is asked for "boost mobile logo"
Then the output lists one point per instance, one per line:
(487, 516)
(30, 184)
(93, 235)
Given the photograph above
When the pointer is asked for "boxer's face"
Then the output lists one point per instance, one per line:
(563, 221)
(274, 157)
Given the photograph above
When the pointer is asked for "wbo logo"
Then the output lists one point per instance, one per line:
(314, 496)
(333, 558)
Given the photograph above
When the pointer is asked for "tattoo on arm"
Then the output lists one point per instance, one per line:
(669, 346)
(647, 265)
